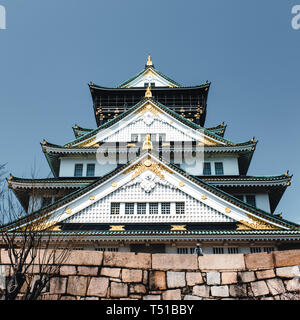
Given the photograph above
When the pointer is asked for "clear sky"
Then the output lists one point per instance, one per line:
(247, 49)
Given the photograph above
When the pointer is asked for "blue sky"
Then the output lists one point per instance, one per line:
(247, 49)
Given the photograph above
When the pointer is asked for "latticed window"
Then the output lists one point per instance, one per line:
(268, 249)
(218, 250)
(219, 168)
(141, 208)
(233, 250)
(129, 208)
(182, 250)
(179, 207)
(165, 208)
(115, 208)
(90, 170)
(153, 208)
(255, 249)
(78, 170)
(206, 169)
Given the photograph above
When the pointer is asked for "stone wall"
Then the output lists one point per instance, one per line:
(92, 275)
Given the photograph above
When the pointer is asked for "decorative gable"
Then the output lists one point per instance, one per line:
(149, 180)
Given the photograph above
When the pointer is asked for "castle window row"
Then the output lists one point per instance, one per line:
(144, 208)
(90, 170)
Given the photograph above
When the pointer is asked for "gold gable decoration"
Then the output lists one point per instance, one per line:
(208, 142)
(87, 143)
(148, 108)
(257, 224)
(147, 164)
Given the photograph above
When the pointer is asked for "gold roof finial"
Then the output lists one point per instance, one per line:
(148, 93)
(147, 145)
(149, 62)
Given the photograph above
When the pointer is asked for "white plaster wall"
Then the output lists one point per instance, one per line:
(195, 210)
(67, 167)
(262, 202)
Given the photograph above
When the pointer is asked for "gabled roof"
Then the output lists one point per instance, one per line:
(163, 108)
(149, 68)
(250, 213)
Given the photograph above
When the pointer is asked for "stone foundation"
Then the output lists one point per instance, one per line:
(91, 275)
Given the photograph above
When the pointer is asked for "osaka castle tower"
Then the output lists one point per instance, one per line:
(151, 177)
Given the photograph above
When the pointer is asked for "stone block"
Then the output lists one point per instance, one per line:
(191, 297)
(228, 262)
(275, 286)
(265, 274)
(87, 271)
(174, 294)
(77, 285)
(127, 260)
(132, 275)
(157, 280)
(145, 277)
(259, 288)
(228, 277)
(238, 290)
(201, 291)
(67, 271)
(247, 276)
(213, 278)
(288, 272)
(58, 285)
(68, 298)
(293, 285)
(84, 258)
(287, 258)
(174, 262)
(98, 287)
(152, 297)
(175, 279)
(137, 288)
(259, 261)
(2, 277)
(193, 278)
(118, 290)
(219, 291)
(110, 272)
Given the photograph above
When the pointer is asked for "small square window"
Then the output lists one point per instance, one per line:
(165, 208)
(115, 208)
(141, 208)
(146, 84)
(179, 207)
(152, 84)
(90, 170)
(206, 169)
(219, 168)
(129, 208)
(153, 208)
(78, 170)
(250, 199)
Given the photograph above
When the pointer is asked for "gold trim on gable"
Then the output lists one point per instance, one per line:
(256, 224)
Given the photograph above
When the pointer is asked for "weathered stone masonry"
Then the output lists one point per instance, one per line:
(92, 275)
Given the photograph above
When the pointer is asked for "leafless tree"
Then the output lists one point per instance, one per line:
(34, 255)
